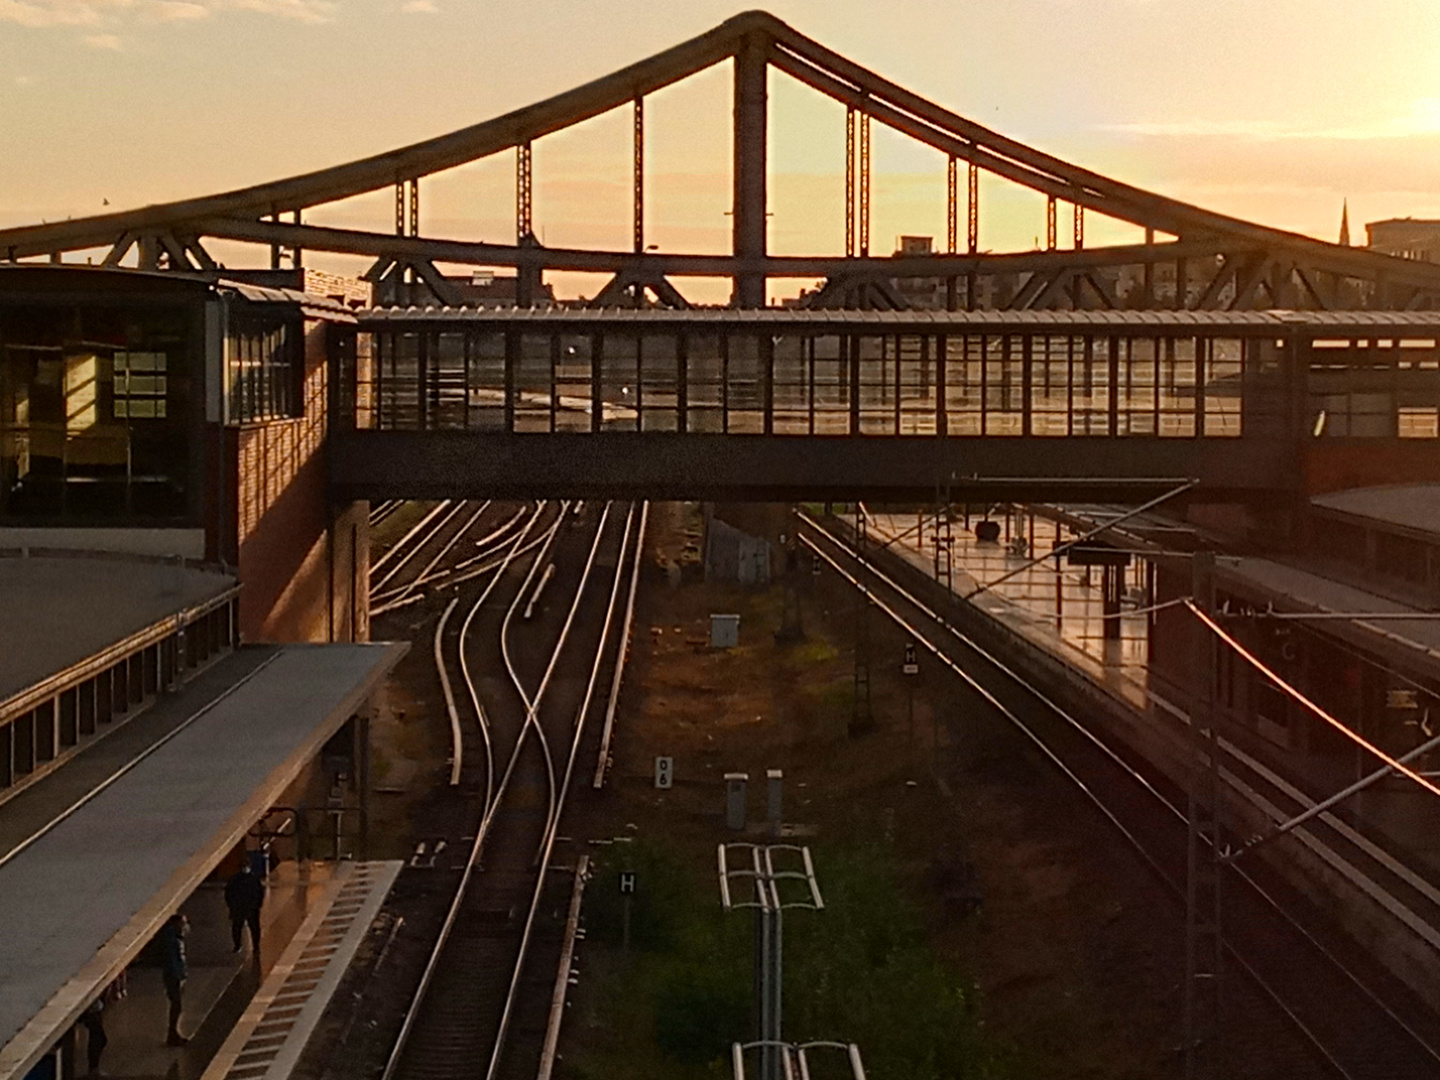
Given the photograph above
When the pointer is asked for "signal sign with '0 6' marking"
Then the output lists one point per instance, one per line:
(664, 772)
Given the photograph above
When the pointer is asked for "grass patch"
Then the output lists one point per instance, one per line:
(859, 971)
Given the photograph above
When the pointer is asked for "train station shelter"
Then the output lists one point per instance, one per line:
(175, 741)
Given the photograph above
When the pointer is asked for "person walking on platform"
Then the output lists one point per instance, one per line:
(244, 893)
(93, 1021)
(173, 971)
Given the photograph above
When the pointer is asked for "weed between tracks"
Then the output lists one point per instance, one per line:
(1032, 986)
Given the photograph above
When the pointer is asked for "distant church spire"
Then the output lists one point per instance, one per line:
(1345, 223)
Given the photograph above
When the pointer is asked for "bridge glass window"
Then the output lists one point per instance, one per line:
(1002, 383)
(572, 382)
(265, 367)
(485, 381)
(95, 405)
(744, 385)
(704, 384)
(790, 384)
(877, 368)
(397, 386)
(534, 382)
(830, 384)
(964, 369)
(659, 384)
(1091, 393)
(1137, 407)
(619, 383)
(915, 385)
(444, 374)
(1175, 387)
(1222, 367)
(1051, 360)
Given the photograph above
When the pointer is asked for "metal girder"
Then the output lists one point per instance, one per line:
(631, 284)
(1308, 280)
(1224, 274)
(752, 33)
(1109, 299)
(445, 291)
(1037, 283)
(355, 242)
(1052, 290)
(119, 250)
(783, 468)
(1050, 215)
(1248, 281)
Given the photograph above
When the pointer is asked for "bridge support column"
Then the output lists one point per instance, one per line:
(751, 103)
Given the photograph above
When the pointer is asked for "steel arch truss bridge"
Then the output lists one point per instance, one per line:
(1191, 258)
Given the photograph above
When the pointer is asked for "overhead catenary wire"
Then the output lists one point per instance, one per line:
(1354, 736)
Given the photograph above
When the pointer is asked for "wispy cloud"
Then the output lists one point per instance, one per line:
(419, 7)
(39, 14)
(1421, 118)
(24, 80)
(104, 41)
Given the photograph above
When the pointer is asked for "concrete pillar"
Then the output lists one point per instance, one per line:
(736, 784)
(749, 202)
(774, 788)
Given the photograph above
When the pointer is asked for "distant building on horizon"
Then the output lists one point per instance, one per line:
(1408, 238)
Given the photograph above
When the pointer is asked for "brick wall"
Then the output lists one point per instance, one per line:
(296, 554)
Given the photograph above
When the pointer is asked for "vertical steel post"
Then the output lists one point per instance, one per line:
(850, 182)
(1050, 237)
(526, 277)
(972, 229)
(952, 207)
(639, 175)
(749, 204)
(861, 716)
(864, 150)
(1204, 1059)
(952, 227)
(1079, 227)
(1148, 281)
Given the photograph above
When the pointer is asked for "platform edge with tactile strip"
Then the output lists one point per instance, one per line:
(271, 1034)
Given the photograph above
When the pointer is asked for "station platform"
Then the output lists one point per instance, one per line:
(1058, 608)
(314, 912)
(84, 893)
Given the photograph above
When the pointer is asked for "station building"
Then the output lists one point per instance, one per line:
(186, 684)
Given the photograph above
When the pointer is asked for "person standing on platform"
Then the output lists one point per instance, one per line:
(173, 971)
(244, 893)
(93, 1021)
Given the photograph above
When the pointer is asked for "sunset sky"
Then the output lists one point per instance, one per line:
(1273, 111)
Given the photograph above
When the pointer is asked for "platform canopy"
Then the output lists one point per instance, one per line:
(81, 899)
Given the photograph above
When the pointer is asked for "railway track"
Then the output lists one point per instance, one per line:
(1342, 1015)
(523, 695)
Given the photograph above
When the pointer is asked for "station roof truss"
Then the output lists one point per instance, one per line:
(1207, 260)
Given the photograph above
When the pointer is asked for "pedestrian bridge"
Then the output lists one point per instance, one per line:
(790, 404)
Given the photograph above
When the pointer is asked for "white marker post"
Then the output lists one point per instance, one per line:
(627, 890)
(910, 668)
